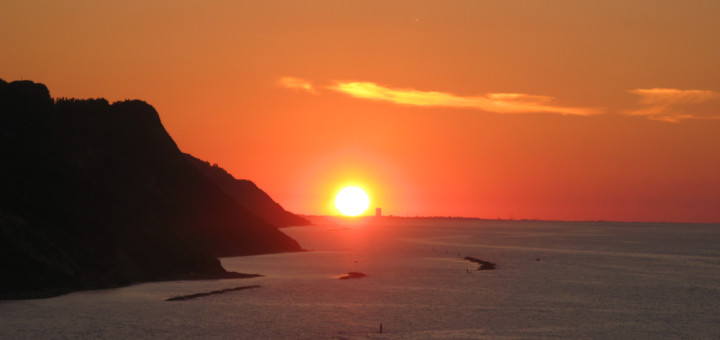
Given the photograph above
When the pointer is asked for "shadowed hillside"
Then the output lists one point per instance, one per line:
(97, 195)
(248, 195)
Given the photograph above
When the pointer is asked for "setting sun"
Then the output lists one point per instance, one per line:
(352, 201)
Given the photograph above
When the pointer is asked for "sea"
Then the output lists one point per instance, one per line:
(553, 280)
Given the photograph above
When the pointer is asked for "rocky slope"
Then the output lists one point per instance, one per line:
(247, 194)
(95, 195)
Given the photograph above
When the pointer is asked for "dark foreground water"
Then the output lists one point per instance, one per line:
(553, 280)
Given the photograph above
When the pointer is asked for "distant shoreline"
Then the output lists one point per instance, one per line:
(465, 218)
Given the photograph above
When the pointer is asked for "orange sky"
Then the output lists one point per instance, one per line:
(561, 109)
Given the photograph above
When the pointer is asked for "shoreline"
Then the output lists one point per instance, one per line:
(55, 292)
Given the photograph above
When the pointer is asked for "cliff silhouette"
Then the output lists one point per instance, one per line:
(96, 195)
(247, 194)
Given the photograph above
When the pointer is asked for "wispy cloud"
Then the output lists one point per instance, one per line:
(296, 84)
(662, 104)
(492, 102)
(671, 105)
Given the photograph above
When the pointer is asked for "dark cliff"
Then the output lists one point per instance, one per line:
(95, 195)
(247, 194)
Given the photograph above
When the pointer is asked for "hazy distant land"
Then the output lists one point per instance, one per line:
(469, 218)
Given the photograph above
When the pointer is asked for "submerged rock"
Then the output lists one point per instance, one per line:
(484, 265)
(214, 292)
(352, 275)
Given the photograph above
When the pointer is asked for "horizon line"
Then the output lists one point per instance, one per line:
(450, 217)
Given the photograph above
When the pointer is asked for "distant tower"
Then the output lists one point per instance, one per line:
(378, 212)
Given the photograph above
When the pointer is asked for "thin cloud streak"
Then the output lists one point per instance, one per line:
(492, 102)
(296, 84)
(661, 103)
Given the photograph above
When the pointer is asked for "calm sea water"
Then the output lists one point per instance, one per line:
(553, 280)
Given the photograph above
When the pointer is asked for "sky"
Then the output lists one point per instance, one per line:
(561, 110)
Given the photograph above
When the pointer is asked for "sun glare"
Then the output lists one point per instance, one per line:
(352, 201)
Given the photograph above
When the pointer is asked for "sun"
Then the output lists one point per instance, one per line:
(352, 201)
